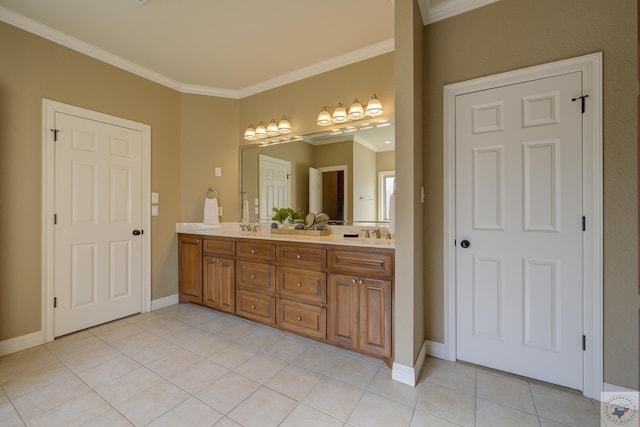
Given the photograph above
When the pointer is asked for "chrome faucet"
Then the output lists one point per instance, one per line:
(377, 233)
(366, 233)
(245, 227)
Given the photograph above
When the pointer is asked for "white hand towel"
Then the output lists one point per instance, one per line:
(392, 213)
(245, 209)
(211, 211)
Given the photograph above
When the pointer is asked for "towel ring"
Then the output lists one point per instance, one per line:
(212, 193)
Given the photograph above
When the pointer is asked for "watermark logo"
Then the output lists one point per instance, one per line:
(620, 409)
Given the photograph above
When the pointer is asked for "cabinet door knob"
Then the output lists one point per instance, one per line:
(253, 276)
(299, 318)
(299, 285)
(360, 282)
(298, 256)
(253, 251)
(353, 280)
(253, 307)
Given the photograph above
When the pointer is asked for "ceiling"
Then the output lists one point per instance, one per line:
(231, 48)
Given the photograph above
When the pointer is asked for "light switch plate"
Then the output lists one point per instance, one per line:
(256, 210)
(256, 202)
(218, 171)
(154, 210)
(154, 197)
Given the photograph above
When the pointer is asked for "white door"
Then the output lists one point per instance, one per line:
(98, 205)
(274, 184)
(315, 190)
(519, 208)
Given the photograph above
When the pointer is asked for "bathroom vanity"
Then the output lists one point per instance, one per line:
(327, 288)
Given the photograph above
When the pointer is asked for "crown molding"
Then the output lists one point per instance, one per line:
(447, 9)
(367, 52)
(78, 45)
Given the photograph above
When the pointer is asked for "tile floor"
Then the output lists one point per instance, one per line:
(186, 365)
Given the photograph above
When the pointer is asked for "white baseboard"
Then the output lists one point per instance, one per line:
(20, 343)
(159, 303)
(409, 374)
(435, 349)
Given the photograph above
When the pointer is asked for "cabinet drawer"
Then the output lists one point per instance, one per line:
(258, 307)
(368, 264)
(218, 247)
(256, 276)
(304, 285)
(256, 251)
(303, 319)
(302, 256)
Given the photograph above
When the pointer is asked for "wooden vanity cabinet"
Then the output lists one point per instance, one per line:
(360, 301)
(190, 269)
(218, 274)
(256, 281)
(336, 294)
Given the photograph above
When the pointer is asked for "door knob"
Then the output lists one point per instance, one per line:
(465, 244)
(137, 232)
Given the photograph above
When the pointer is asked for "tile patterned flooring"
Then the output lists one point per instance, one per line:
(186, 365)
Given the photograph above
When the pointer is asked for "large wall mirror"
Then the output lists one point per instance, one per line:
(349, 175)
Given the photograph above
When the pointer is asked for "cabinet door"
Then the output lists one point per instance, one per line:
(374, 335)
(190, 269)
(343, 310)
(218, 283)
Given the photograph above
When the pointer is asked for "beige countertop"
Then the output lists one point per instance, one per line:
(232, 229)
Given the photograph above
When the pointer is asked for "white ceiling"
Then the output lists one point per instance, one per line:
(230, 48)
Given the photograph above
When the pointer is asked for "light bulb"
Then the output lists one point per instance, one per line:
(340, 114)
(374, 107)
(284, 126)
(272, 128)
(356, 111)
(261, 131)
(324, 118)
(250, 134)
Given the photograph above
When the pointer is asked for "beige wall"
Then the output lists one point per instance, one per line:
(33, 68)
(385, 161)
(513, 34)
(208, 140)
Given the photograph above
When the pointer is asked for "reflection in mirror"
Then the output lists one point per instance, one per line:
(349, 175)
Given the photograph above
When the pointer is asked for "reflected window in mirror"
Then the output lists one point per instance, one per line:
(386, 187)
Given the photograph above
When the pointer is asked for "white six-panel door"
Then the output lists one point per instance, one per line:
(98, 204)
(275, 188)
(519, 229)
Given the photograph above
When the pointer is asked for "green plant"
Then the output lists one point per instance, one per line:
(283, 215)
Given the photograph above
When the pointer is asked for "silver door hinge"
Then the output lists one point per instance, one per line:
(55, 302)
(584, 223)
(584, 343)
(55, 219)
(55, 134)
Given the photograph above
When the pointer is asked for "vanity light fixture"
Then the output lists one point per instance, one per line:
(270, 130)
(324, 118)
(340, 114)
(261, 131)
(284, 126)
(356, 112)
(374, 107)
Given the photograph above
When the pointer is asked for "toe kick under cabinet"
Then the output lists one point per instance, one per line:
(341, 295)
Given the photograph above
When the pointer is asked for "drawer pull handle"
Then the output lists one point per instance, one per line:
(253, 307)
(298, 256)
(299, 318)
(299, 285)
(253, 276)
(360, 282)
(253, 251)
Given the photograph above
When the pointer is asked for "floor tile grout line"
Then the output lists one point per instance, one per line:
(15, 407)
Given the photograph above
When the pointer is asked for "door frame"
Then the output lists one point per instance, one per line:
(345, 169)
(49, 109)
(591, 68)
